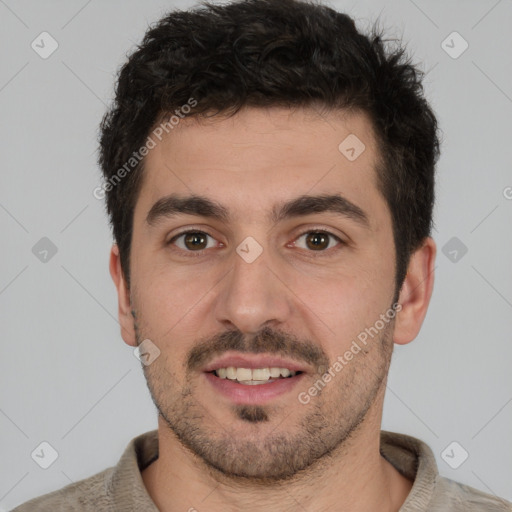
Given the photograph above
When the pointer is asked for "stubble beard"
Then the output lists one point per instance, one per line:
(325, 425)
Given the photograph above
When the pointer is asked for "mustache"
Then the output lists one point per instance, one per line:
(267, 340)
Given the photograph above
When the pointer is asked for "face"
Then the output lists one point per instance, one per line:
(259, 254)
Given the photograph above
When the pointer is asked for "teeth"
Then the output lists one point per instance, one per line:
(253, 376)
(253, 382)
(243, 374)
(275, 373)
(261, 374)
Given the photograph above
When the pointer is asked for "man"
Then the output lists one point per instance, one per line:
(269, 175)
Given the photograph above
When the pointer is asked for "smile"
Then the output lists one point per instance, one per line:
(254, 376)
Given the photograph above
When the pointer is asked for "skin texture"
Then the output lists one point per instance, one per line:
(295, 300)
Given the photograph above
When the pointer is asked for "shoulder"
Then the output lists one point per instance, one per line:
(415, 460)
(454, 496)
(87, 495)
(119, 487)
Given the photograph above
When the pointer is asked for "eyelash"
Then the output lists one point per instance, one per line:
(325, 252)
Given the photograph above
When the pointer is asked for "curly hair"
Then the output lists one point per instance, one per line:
(287, 53)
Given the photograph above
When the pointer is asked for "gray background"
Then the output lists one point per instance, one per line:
(68, 378)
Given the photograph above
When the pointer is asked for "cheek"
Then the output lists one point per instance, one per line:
(342, 304)
(166, 315)
(168, 298)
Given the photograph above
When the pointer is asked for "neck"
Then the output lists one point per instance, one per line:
(355, 478)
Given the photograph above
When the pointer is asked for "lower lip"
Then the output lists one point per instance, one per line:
(256, 394)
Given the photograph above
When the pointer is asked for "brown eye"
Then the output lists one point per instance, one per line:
(195, 241)
(192, 241)
(317, 241)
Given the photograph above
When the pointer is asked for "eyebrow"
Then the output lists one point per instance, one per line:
(173, 205)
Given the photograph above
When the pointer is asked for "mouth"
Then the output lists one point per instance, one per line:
(253, 379)
(254, 376)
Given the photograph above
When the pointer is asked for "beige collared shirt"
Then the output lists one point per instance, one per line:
(121, 488)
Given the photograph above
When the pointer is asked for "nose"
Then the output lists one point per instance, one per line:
(253, 295)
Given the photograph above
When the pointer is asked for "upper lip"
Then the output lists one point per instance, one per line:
(254, 361)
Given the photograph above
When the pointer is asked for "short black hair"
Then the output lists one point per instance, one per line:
(264, 53)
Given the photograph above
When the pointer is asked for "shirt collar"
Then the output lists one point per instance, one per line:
(410, 456)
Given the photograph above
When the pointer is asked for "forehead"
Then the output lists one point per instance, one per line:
(259, 157)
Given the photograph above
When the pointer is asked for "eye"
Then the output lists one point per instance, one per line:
(192, 241)
(317, 240)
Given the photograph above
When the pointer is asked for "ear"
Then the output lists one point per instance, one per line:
(415, 293)
(126, 320)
